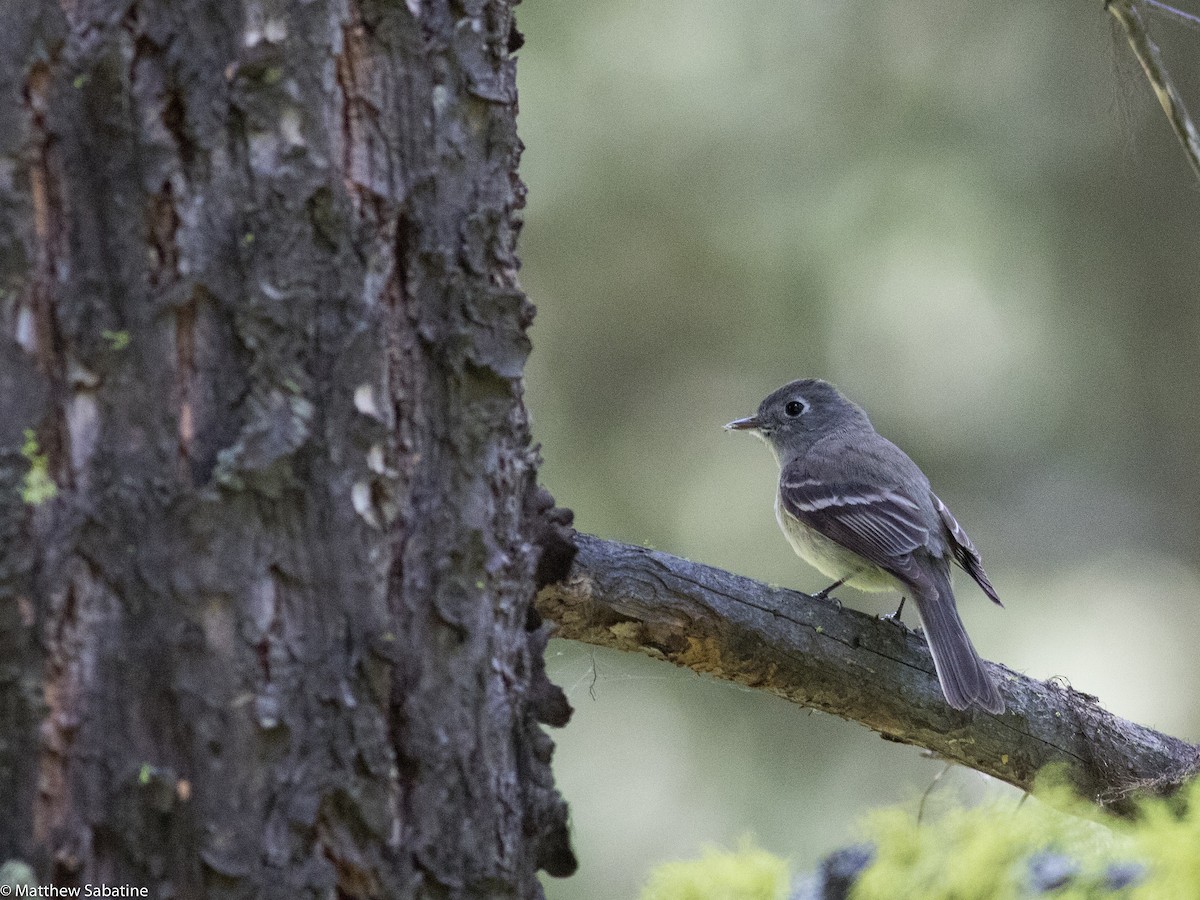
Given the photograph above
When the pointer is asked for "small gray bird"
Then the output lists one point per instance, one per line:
(854, 506)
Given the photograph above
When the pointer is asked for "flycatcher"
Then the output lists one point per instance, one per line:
(854, 506)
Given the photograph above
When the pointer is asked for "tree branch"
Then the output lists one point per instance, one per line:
(855, 666)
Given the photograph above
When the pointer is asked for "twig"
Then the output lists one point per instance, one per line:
(1171, 12)
(1129, 14)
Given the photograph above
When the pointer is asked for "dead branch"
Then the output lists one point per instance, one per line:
(855, 666)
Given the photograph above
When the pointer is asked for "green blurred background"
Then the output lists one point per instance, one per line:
(974, 219)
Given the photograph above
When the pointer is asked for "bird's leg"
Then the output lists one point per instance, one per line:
(894, 618)
(824, 595)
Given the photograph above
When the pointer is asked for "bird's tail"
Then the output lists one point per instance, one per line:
(963, 677)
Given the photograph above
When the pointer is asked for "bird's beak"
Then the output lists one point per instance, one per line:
(750, 423)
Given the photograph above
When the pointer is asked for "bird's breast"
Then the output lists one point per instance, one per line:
(829, 557)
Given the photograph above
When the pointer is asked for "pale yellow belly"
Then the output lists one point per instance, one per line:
(831, 558)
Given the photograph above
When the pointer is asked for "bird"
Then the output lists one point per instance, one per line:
(855, 507)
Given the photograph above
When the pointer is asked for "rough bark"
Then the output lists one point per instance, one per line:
(855, 666)
(273, 636)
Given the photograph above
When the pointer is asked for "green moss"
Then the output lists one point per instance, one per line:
(38, 486)
(1166, 839)
(977, 853)
(117, 340)
(991, 851)
(1057, 846)
(746, 874)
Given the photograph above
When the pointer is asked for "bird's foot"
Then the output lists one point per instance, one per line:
(828, 599)
(894, 618)
(827, 593)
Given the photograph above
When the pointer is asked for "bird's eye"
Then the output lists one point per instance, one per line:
(793, 408)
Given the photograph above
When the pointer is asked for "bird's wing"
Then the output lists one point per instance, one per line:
(882, 525)
(963, 549)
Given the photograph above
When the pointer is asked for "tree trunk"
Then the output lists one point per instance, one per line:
(262, 339)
